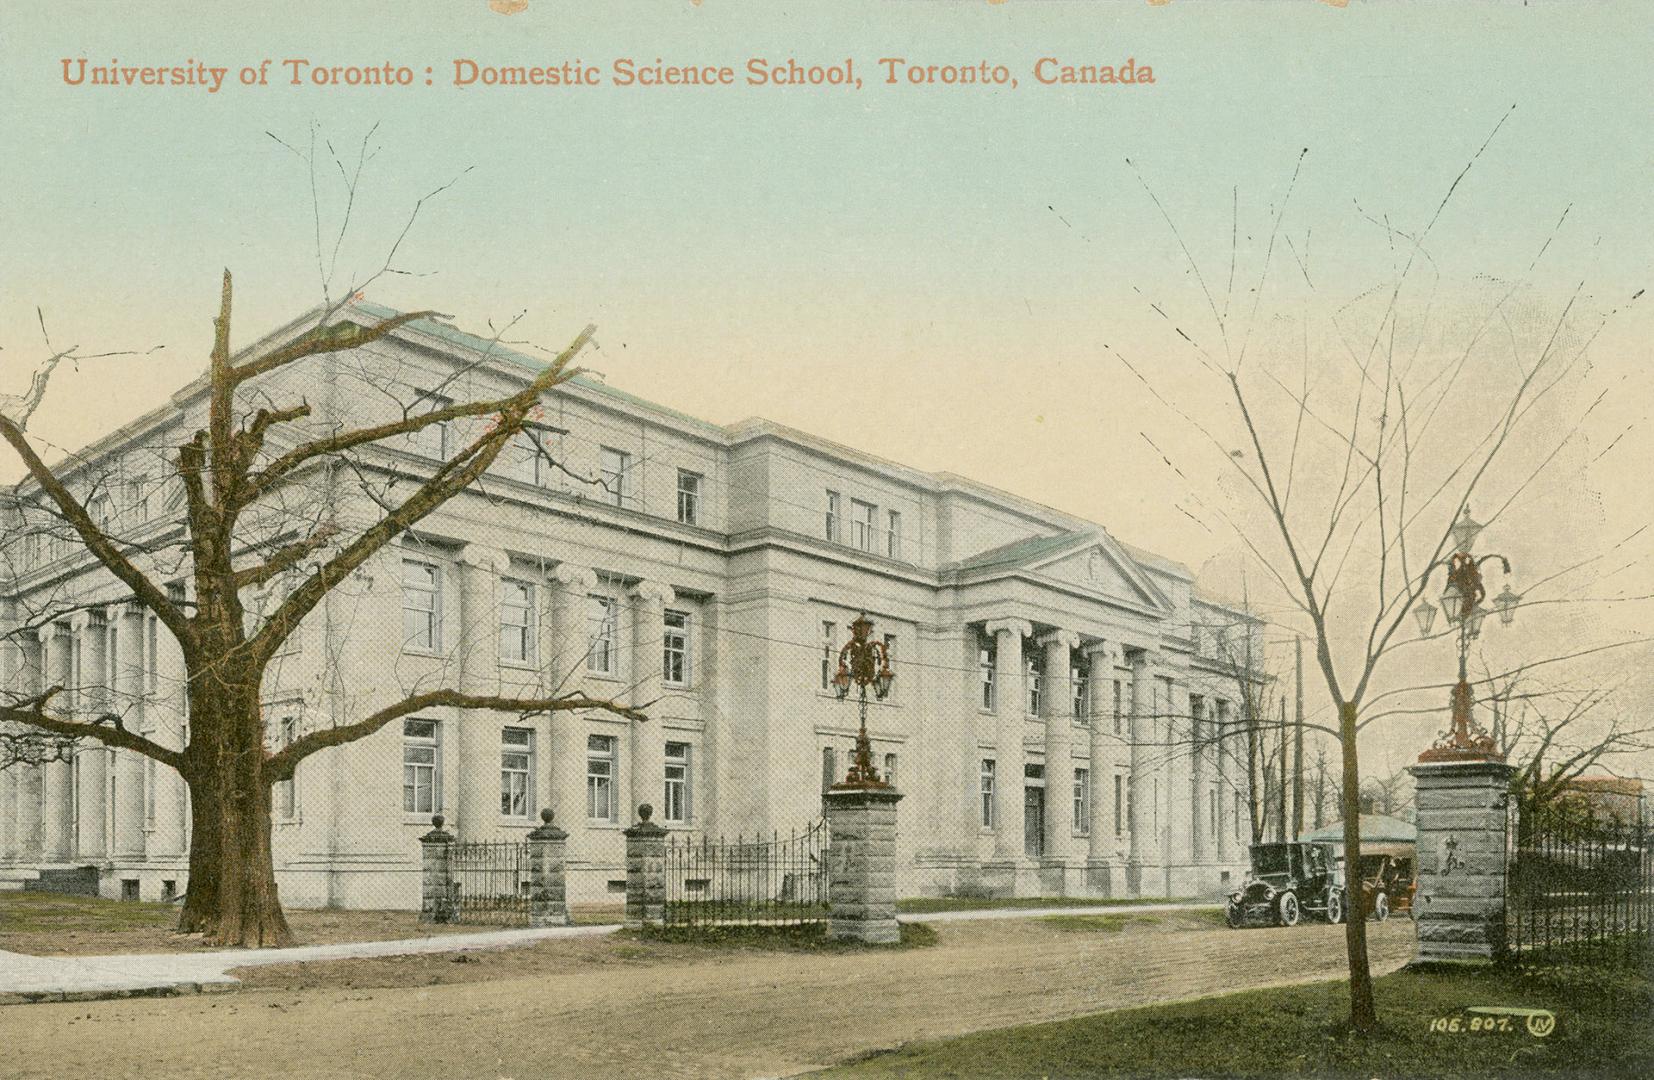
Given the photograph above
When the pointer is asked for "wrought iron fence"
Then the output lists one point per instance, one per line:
(1578, 890)
(490, 883)
(779, 880)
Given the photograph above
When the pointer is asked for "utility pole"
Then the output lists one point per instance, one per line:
(1285, 746)
(1298, 751)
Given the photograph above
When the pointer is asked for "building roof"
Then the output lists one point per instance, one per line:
(1616, 785)
(1375, 829)
(1021, 551)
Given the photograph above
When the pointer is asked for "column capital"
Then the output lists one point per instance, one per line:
(1009, 626)
(654, 591)
(575, 577)
(1104, 652)
(1068, 639)
(486, 558)
(1148, 658)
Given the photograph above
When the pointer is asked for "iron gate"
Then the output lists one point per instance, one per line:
(490, 883)
(1578, 890)
(779, 880)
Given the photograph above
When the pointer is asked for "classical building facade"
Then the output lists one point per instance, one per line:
(1054, 725)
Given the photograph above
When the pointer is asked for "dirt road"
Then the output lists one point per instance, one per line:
(681, 1013)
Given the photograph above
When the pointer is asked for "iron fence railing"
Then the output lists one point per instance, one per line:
(1578, 890)
(778, 880)
(490, 882)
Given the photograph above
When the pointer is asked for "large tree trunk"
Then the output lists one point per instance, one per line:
(232, 884)
(1363, 1015)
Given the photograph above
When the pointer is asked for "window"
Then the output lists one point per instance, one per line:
(519, 637)
(431, 440)
(1130, 815)
(890, 656)
(529, 456)
(600, 629)
(1119, 796)
(674, 661)
(985, 661)
(286, 798)
(1238, 815)
(516, 771)
(601, 751)
(829, 654)
(1077, 682)
(1082, 800)
(893, 534)
(987, 793)
(101, 509)
(1036, 673)
(1119, 707)
(829, 767)
(1197, 717)
(421, 606)
(675, 800)
(689, 497)
(1212, 802)
(890, 769)
(421, 772)
(152, 659)
(137, 499)
(615, 466)
(862, 523)
(833, 510)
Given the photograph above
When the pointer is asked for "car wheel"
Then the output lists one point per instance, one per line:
(1381, 907)
(1286, 910)
(1335, 906)
(1234, 915)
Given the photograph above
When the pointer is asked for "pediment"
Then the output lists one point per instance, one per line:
(1095, 568)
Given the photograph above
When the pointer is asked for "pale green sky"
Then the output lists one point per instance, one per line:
(930, 273)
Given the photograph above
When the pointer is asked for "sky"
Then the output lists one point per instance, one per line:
(954, 277)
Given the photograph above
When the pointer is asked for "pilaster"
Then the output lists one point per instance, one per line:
(648, 738)
(571, 585)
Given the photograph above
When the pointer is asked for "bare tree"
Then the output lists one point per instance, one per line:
(1357, 463)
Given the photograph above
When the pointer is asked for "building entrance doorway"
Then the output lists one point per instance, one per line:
(1033, 821)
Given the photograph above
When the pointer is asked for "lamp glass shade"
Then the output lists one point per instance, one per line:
(1465, 530)
(1425, 612)
(1506, 602)
(885, 678)
(1476, 618)
(841, 681)
(1453, 602)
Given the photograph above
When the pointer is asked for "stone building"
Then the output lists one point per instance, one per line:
(1053, 726)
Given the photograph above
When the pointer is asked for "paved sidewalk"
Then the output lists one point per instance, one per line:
(25, 978)
(1042, 912)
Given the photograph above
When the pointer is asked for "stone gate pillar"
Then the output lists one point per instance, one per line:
(436, 892)
(645, 871)
(862, 867)
(548, 885)
(1459, 910)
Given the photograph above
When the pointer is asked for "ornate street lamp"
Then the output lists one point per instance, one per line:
(863, 662)
(1462, 603)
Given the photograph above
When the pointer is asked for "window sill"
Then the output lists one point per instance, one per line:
(433, 653)
(279, 822)
(604, 825)
(422, 820)
(516, 823)
(520, 665)
(603, 676)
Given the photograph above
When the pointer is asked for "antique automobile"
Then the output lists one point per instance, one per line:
(1285, 881)
(1387, 885)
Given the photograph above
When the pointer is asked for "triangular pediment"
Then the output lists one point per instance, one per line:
(1096, 569)
(1090, 562)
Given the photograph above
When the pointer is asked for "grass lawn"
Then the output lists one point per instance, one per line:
(925, 905)
(811, 937)
(1602, 1028)
(1114, 924)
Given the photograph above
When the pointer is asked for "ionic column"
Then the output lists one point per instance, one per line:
(477, 801)
(1145, 845)
(30, 786)
(648, 756)
(1010, 705)
(1057, 709)
(127, 691)
(11, 678)
(568, 662)
(165, 706)
(1223, 743)
(57, 842)
(1101, 659)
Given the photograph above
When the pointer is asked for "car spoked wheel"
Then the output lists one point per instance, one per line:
(1381, 907)
(1335, 906)
(1286, 910)
(1235, 915)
